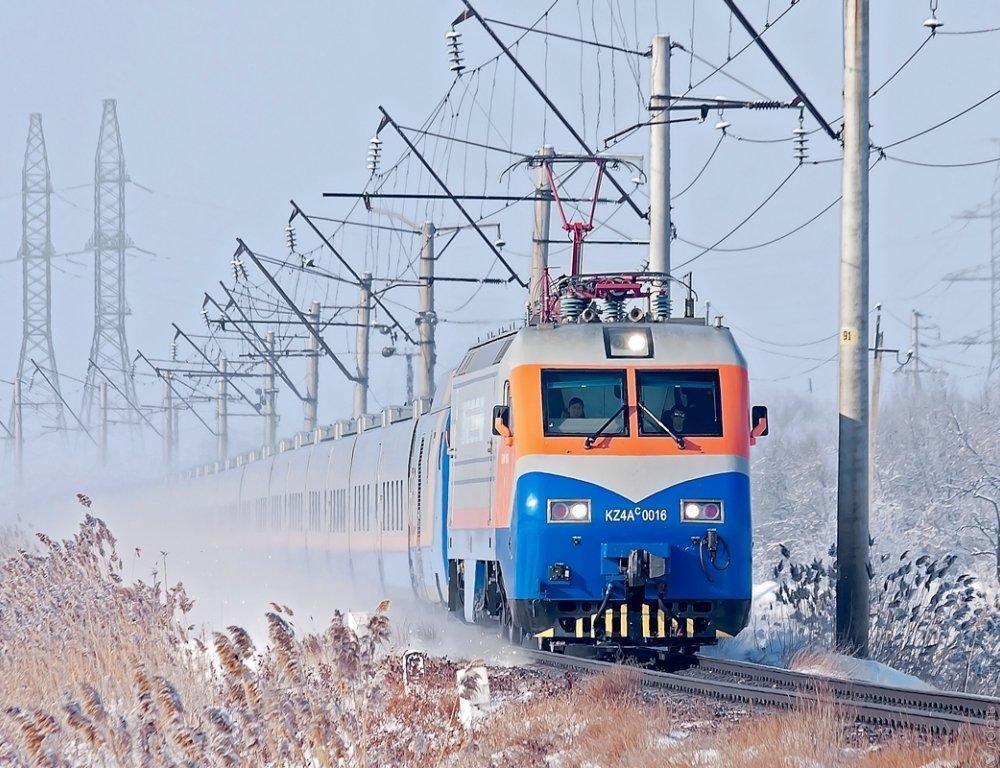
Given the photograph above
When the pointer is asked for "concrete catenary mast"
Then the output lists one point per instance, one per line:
(852, 471)
(426, 318)
(361, 346)
(659, 175)
(540, 234)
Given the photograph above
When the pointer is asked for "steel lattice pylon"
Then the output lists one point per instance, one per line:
(109, 241)
(994, 369)
(36, 255)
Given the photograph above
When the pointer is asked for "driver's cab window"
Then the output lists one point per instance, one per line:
(581, 402)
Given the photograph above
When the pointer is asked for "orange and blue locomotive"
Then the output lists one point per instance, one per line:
(581, 483)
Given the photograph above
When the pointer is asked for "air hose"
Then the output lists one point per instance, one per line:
(714, 544)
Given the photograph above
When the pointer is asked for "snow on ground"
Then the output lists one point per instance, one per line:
(763, 642)
(848, 668)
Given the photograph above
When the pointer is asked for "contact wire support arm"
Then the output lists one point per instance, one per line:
(170, 383)
(298, 313)
(470, 11)
(357, 278)
(458, 204)
(260, 350)
(125, 397)
(765, 49)
(72, 412)
(215, 367)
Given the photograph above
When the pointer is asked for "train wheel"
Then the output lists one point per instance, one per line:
(510, 631)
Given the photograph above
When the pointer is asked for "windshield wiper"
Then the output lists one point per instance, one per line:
(677, 438)
(591, 439)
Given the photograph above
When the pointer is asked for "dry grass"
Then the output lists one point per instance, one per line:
(97, 672)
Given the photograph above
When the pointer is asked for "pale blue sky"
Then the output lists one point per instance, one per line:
(229, 109)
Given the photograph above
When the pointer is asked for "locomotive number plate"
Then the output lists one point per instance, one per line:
(642, 514)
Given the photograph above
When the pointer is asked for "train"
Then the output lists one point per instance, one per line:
(580, 485)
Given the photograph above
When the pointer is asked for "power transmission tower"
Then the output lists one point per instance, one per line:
(36, 257)
(973, 275)
(109, 241)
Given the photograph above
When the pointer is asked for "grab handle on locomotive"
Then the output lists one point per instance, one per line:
(501, 423)
(758, 422)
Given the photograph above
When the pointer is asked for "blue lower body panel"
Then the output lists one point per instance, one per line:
(568, 576)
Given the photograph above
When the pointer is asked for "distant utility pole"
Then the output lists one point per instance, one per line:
(659, 175)
(311, 400)
(876, 390)
(915, 345)
(270, 396)
(852, 470)
(102, 404)
(109, 241)
(222, 412)
(168, 420)
(36, 269)
(17, 432)
(994, 370)
(426, 318)
(361, 346)
(540, 234)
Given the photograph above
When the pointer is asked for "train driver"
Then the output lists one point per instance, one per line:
(574, 409)
(675, 418)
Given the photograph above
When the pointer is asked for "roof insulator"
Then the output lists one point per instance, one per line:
(374, 154)
(453, 40)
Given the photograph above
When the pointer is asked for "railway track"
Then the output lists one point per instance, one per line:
(933, 711)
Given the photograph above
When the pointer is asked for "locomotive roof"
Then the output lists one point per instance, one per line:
(674, 343)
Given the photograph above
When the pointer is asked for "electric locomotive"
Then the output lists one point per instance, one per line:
(578, 482)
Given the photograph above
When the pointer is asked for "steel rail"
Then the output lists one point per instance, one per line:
(952, 702)
(937, 712)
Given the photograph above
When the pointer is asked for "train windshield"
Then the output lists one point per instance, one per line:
(581, 402)
(685, 402)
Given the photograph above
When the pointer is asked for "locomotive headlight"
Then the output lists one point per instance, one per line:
(569, 511)
(628, 342)
(636, 342)
(701, 511)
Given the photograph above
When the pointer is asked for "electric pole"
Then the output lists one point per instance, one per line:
(361, 346)
(102, 402)
(993, 374)
(109, 241)
(222, 412)
(659, 176)
(876, 387)
(426, 318)
(17, 427)
(852, 469)
(36, 269)
(310, 401)
(270, 396)
(168, 420)
(915, 345)
(540, 234)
